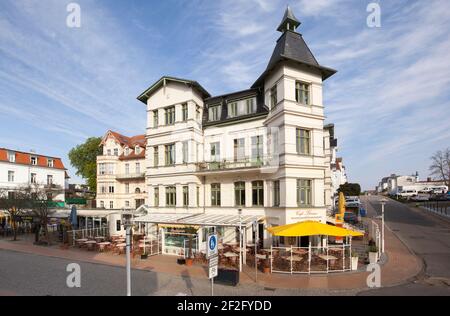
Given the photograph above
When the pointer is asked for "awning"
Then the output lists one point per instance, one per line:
(310, 228)
(200, 219)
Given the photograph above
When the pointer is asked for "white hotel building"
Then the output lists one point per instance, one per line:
(21, 169)
(260, 150)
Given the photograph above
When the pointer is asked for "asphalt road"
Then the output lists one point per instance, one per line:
(428, 236)
(28, 274)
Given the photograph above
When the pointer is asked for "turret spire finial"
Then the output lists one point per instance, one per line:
(289, 22)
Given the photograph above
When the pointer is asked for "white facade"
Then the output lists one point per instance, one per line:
(260, 150)
(121, 172)
(395, 184)
(19, 170)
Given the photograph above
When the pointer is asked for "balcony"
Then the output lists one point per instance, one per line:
(237, 165)
(131, 176)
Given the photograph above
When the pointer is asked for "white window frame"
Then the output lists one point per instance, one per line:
(11, 156)
(10, 176)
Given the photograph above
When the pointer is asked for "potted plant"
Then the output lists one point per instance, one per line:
(191, 231)
(355, 260)
(373, 254)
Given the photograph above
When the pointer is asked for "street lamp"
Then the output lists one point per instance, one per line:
(383, 203)
(128, 224)
(240, 239)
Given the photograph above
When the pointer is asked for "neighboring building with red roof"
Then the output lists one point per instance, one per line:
(19, 169)
(121, 171)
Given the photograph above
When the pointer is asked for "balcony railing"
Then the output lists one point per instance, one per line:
(127, 176)
(235, 164)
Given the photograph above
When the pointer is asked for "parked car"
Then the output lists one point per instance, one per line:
(352, 201)
(421, 197)
(440, 190)
(351, 218)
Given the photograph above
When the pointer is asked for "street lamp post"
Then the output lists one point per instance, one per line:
(127, 223)
(240, 240)
(383, 203)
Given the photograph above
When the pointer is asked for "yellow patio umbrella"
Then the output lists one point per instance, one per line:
(341, 208)
(311, 228)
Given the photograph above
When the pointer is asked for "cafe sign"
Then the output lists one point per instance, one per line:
(306, 215)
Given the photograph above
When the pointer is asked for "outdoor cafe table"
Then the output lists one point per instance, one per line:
(103, 245)
(300, 251)
(80, 242)
(239, 249)
(90, 244)
(121, 247)
(230, 255)
(327, 257)
(293, 258)
(260, 256)
(99, 239)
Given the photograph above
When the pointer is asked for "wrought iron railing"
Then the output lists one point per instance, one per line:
(228, 164)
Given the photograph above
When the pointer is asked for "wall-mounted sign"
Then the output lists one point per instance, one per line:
(304, 215)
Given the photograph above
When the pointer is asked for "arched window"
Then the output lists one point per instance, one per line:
(137, 191)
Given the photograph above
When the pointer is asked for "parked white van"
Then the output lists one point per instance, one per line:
(407, 193)
(439, 189)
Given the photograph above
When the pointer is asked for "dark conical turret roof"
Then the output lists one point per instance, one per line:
(292, 47)
(288, 18)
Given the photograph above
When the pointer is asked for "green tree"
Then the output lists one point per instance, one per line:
(84, 158)
(350, 189)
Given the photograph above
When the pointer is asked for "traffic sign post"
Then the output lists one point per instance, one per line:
(213, 255)
(212, 246)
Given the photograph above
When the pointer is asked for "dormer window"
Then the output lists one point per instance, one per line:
(50, 163)
(116, 151)
(11, 156)
(127, 151)
(214, 112)
(242, 107)
(34, 160)
(137, 150)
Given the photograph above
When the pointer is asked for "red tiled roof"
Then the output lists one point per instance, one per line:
(24, 158)
(131, 142)
(133, 155)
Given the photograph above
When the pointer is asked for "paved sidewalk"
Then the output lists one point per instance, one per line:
(400, 267)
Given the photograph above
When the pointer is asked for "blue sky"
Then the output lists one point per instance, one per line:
(389, 100)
